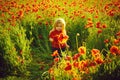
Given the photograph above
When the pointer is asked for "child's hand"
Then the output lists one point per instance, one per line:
(67, 46)
(51, 39)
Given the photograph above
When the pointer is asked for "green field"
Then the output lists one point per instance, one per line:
(93, 27)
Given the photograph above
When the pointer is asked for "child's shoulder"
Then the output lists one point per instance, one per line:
(52, 31)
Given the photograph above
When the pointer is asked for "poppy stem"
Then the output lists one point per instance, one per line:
(77, 41)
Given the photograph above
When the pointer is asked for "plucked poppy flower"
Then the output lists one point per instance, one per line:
(96, 16)
(38, 17)
(114, 50)
(55, 53)
(68, 67)
(62, 38)
(83, 16)
(82, 50)
(119, 52)
(22, 61)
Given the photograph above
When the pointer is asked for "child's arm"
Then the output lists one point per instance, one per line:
(51, 39)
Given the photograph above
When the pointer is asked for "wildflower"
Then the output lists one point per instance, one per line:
(118, 33)
(114, 50)
(68, 67)
(99, 60)
(104, 26)
(76, 56)
(20, 14)
(99, 31)
(55, 53)
(74, 79)
(92, 63)
(51, 71)
(22, 61)
(106, 41)
(84, 63)
(82, 50)
(21, 52)
(75, 64)
(68, 58)
(56, 59)
(95, 53)
(116, 41)
(119, 52)
(98, 25)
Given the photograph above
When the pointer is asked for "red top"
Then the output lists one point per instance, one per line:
(59, 39)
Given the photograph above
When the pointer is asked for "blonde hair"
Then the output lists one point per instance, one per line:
(60, 20)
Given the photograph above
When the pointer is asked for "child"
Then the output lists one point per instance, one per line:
(58, 36)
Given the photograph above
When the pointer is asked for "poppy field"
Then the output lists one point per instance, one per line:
(93, 27)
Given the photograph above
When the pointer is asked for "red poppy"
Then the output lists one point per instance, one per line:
(106, 41)
(92, 63)
(99, 31)
(20, 14)
(76, 64)
(84, 63)
(22, 62)
(55, 53)
(95, 53)
(83, 16)
(21, 52)
(118, 33)
(99, 60)
(119, 52)
(96, 16)
(114, 50)
(76, 56)
(68, 58)
(104, 26)
(38, 17)
(82, 50)
(116, 41)
(50, 70)
(56, 59)
(98, 25)
(68, 67)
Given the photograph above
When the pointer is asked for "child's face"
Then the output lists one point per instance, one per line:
(59, 26)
